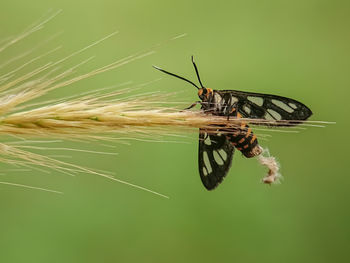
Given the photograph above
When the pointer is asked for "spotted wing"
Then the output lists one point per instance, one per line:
(214, 158)
(272, 110)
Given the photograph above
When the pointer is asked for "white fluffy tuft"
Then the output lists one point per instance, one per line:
(270, 162)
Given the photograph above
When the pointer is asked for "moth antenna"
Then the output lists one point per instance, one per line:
(174, 75)
(195, 67)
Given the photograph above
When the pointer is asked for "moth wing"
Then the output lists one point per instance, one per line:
(273, 110)
(215, 154)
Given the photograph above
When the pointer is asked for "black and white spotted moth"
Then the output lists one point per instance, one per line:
(216, 148)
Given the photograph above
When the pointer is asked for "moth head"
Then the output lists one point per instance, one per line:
(204, 94)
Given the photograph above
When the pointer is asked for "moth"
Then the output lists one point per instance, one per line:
(216, 149)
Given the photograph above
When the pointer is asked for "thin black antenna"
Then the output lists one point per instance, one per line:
(174, 75)
(195, 67)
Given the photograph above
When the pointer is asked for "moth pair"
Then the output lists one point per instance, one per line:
(216, 148)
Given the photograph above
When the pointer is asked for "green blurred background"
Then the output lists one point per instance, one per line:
(298, 49)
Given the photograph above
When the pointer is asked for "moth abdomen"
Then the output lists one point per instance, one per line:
(244, 139)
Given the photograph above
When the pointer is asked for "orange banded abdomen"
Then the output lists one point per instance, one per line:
(245, 140)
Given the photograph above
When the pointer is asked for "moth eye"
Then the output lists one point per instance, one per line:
(205, 91)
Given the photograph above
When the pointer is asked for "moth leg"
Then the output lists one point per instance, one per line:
(192, 105)
(230, 112)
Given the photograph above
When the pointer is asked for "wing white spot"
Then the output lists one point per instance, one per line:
(205, 171)
(292, 105)
(268, 117)
(223, 154)
(218, 100)
(224, 108)
(256, 100)
(233, 100)
(218, 158)
(207, 140)
(207, 162)
(246, 109)
(282, 105)
(275, 115)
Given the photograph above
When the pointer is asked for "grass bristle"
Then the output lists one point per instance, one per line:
(107, 116)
